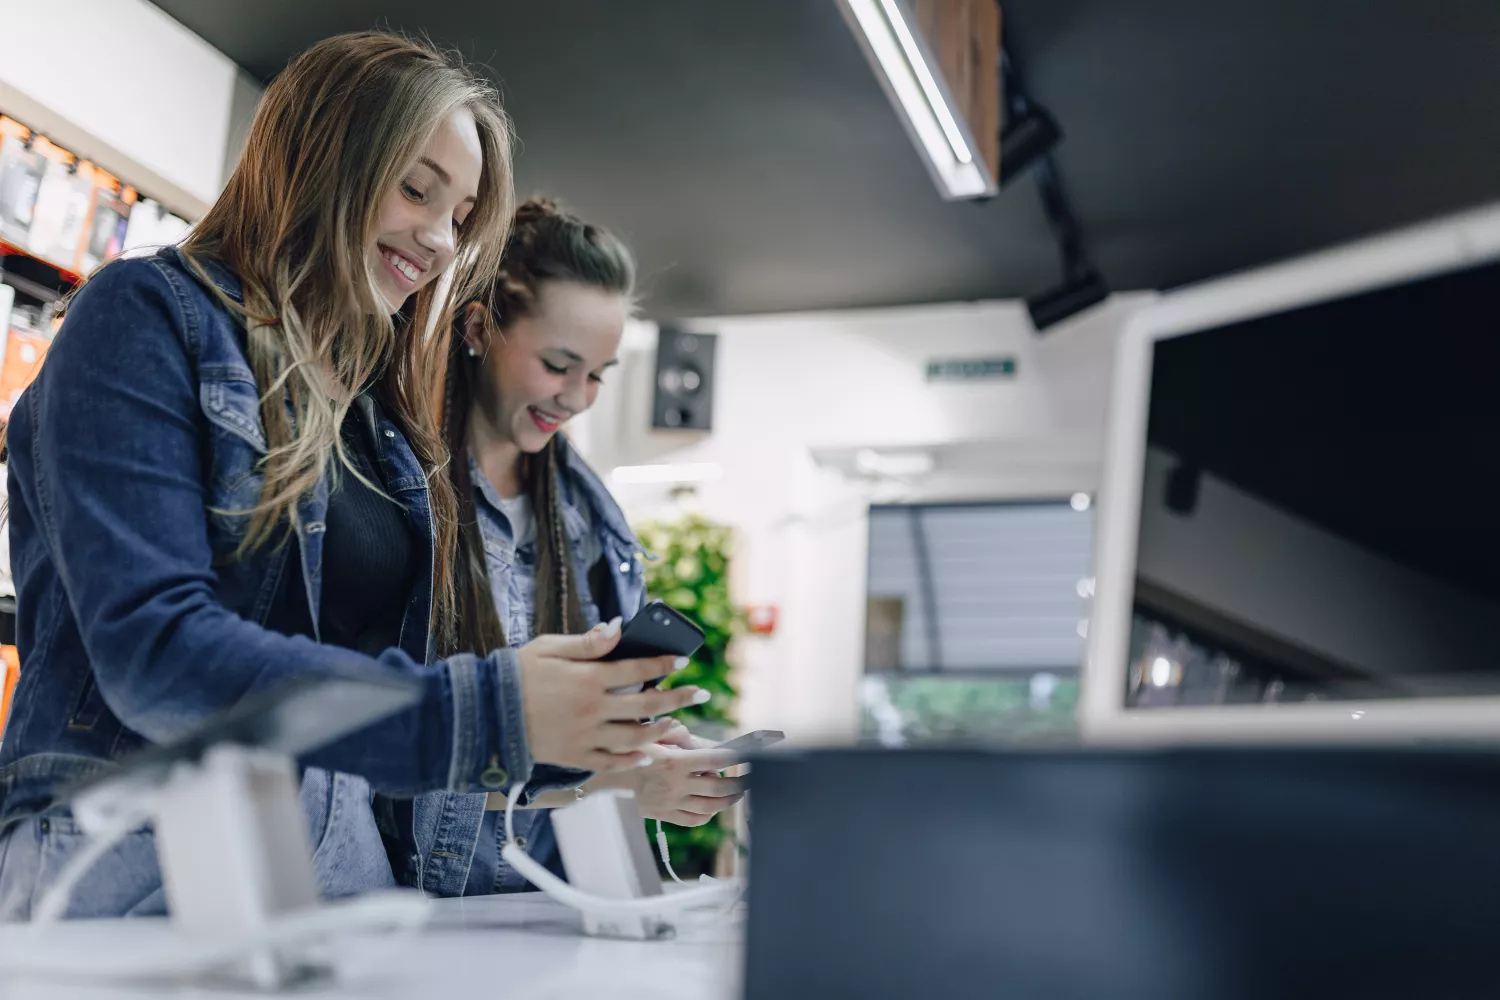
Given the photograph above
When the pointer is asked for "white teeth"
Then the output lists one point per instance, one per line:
(402, 265)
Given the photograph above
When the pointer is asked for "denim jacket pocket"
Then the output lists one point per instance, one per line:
(236, 445)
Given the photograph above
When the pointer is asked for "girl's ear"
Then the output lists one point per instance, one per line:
(477, 329)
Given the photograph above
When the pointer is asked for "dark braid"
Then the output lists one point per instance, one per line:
(546, 244)
(565, 593)
(478, 627)
(559, 610)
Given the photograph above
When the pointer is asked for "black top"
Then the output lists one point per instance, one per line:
(369, 556)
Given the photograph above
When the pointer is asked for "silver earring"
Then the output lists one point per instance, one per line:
(473, 353)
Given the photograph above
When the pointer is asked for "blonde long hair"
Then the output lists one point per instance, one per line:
(336, 131)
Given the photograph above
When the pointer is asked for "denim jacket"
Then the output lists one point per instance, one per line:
(606, 554)
(129, 455)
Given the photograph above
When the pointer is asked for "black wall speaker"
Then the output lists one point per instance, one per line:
(684, 395)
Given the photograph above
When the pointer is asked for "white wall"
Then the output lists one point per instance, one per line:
(795, 389)
(121, 83)
(1290, 578)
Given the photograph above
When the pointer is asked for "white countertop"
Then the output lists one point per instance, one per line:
(521, 946)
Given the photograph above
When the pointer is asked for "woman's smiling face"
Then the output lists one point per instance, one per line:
(547, 366)
(416, 231)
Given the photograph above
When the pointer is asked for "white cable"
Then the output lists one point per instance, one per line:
(666, 853)
(54, 902)
(642, 907)
(400, 909)
(515, 856)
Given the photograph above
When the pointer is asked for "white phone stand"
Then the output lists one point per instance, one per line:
(233, 847)
(604, 848)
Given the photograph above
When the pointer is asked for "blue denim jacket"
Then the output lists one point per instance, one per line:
(597, 536)
(128, 455)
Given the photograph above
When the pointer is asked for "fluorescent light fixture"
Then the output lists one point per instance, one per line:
(906, 69)
(666, 474)
(935, 98)
(910, 463)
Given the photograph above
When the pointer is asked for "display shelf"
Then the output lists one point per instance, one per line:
(9, 249)
(70, 215)
(32, 288)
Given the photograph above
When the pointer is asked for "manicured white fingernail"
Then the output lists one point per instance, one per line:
(701, 697)
(612, 628)
(680, 662)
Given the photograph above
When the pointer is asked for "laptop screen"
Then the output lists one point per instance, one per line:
(1318, 519)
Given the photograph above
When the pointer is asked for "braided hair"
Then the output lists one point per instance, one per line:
(546, 244)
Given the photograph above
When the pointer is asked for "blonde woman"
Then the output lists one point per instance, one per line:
(229, 472)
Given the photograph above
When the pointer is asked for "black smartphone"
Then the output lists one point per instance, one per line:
(659, 630)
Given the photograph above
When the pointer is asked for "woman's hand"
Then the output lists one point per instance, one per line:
(679, 736)
(680, 786)
(573, 720)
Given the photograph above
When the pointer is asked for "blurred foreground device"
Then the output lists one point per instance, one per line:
(1132, 875)
(231, 838)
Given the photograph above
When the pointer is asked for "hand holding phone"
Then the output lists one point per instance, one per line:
(572, 717)
(659, 630)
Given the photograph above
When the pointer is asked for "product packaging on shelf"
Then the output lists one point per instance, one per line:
(7, 300)
(21, 170)
(26, 343)
(106, 229)
(62, 208)
(152, 226)
(69, 212)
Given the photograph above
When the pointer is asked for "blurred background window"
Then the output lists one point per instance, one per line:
(975, 620)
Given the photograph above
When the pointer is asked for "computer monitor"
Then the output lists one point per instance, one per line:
(1297, 531)
(1132, 874)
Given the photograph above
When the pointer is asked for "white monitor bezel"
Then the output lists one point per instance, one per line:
(1429, 249)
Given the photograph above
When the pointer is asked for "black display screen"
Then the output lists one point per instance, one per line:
(1317, 511)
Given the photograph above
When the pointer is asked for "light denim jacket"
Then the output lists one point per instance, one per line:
(468, 862)
(136, 623)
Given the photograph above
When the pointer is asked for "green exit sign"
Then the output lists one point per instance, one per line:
(971, 369)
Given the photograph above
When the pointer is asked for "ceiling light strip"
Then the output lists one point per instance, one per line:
(918, 96)
(929, 85)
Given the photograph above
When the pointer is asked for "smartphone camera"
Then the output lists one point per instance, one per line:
(662, 619)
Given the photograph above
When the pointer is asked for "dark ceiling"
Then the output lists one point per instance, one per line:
(749, 155)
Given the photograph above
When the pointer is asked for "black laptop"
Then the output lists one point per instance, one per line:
(1185, 875)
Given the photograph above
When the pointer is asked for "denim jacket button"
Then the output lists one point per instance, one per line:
(624, 567)
(493, 776)
(389, 433)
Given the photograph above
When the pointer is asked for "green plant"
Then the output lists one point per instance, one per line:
(690, 572)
